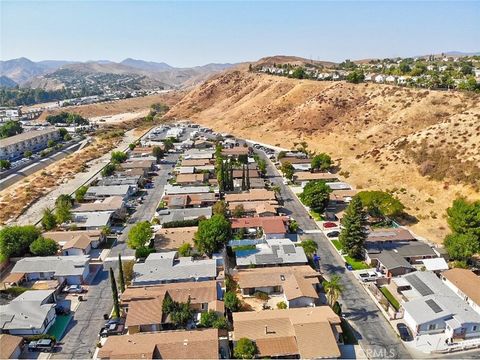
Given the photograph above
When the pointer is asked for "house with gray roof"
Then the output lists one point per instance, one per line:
(70, 269)
(102, 191)
(167, 267)
(272, 252)
(431, 307)
(169, 215)
(176, 190)
(397, 258)
(31, 313)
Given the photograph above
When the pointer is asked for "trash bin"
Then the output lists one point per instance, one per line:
(105, 316)
(80, 297)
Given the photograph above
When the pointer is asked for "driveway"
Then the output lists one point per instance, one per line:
(372, 330)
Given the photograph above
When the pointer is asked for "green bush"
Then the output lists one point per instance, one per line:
(261, 295)
(281, 305)
(181, 223)
(143, 252)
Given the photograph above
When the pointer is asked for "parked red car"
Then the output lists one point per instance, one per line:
(329, 225)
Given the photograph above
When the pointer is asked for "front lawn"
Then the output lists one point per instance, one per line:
(337, 244)
(316, 216)
(391, 299)
(356, 264)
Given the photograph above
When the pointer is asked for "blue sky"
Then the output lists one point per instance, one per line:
(194, 33)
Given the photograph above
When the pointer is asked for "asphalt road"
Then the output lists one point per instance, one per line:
(16, 174)
(82, 334)
(372, 330)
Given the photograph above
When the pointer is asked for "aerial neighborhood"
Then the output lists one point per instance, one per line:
(217, 247)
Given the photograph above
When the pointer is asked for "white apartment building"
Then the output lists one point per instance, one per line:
(14, 147)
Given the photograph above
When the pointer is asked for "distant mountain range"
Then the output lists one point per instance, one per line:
(132, 73)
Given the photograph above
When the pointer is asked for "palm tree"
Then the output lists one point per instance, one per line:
(333, 289)
(309, 246)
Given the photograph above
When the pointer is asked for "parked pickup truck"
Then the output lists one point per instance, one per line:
(111, 329)
(44, 345)
(368, 276)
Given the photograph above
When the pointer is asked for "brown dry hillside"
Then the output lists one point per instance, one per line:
(422, 145)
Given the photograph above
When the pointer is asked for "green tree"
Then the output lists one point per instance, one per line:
(121, 277)
(309, 246)
(355, 76)
(63, 132)
(49, 221)
(337, 308)
(80, 193)
(5, 164)
(51, 143)
(185, 249)
(321, 162)
(316, 195)
(220, 207)
(231, 301)
(282, 305)
(116, 305)
(238, 211)
(131, 146)
(16, 240)
(139, 235)
(27, 154)
(118, 157)
(108, 170)
(182, 314)
(353, 234)
(63, 212)
(67, 137)
(262, 166)
(168, 305)
(281, 155)
(211, 319)
(333, 289)
(64, 198)
(299, 73)
(10, 128)
(287, 169)
(381, 203)
(244, 349)
(142, 252)
(212, 234)
(44, 247)
(157, 152)
(461, 246)
(168, 144)
(463, 218)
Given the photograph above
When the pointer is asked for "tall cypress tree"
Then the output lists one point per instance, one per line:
(116, 305)
(353, 234)
(230, 178)
(243, 177)
(248, 178)
(121, 277)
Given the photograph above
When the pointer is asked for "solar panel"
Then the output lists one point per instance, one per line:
(289, 249)
(434, 306)
(420, 286)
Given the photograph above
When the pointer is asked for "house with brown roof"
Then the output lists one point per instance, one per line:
(173, 238)
(144, 304)
(466, 284)
(142, 151)
(306, 176)
(78, 242)
(273, 227)
(389, 235)
(252, 195)
(256, 208)
(196, 162)
(140, 163)
(191, 179)
(295, 333)
(236, 151)
(297, 284)
(10, 346)
(194, 344)
(182, 201)
(238, 173)
(342, 196)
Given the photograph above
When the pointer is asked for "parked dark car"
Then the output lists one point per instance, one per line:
(404, 332)
(348, 266)
(43, 345)
(333, 234)
(112, 329)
